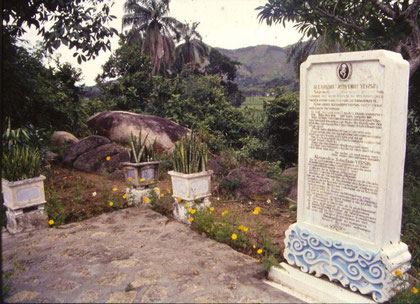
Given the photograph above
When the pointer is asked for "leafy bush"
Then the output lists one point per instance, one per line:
(281, 127)
(139, 151)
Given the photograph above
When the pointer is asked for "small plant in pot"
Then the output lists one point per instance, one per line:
(190, 178)
(22, 183)
(142, 170)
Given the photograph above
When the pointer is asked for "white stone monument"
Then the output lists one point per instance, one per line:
(352, 131)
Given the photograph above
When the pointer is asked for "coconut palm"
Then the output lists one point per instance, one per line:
(150, 17)
(193, 50)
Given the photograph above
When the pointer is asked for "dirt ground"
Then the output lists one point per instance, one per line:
(84, 195)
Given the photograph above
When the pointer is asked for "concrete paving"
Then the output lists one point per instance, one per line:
(130, 256)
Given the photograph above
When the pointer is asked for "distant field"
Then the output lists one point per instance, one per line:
(255, 102)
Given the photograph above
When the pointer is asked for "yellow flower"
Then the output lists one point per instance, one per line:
(51, 222)
(191, 219)
(142, 179)
(191, 210)
(168, 190)
(111, 204)
(259, 251)
(234, 236)
(129, 178)
(186, 205)
(245, 229)
(253, 246)
(162, 195)
(259, 261)
(212, 209)
(94, 193)
(398, 273)
(124, 196)
(269, 201)
(114, 189)
(414, 290)
(256, 210)
(225, 212)
(146, 200)
(108, 158)
(152, 182)
(157, 190)
(179, 199)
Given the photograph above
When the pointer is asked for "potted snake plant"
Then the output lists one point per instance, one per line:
(22, 183)
(190, 178)
(142, 170)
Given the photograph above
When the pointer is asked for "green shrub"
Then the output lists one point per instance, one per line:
(139, 151)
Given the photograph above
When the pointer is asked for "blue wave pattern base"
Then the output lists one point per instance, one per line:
(357, 269)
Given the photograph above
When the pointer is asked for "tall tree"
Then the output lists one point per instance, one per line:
(361, 24)
(79, 24)
(151, 18)
(193, 51)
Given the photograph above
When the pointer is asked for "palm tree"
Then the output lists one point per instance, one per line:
(193, 51)
(150, 17)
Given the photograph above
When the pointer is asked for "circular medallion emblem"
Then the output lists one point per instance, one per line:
(344, 71)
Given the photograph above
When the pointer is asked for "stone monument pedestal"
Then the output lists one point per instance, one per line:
(26, 219)
(136, 196)
(181, 212)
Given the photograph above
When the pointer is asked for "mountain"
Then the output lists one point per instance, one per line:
(262, 67)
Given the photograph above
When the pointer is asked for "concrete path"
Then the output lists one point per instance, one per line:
(130, 256)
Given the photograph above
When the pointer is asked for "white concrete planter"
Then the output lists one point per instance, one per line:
(193, 186)
(24, 193)
(25, 201)
(140, 175)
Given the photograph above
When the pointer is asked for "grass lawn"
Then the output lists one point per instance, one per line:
(255, 102)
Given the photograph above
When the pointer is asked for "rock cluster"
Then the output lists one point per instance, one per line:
(90, 155)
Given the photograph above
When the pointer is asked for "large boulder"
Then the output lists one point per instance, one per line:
(61, 138)
(250, 183)
(82, 146)
(119, 125)
(95, 160)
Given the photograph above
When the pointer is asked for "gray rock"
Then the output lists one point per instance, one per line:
(119, 125)
(216, 167)
(293, 174)
(62, 137)
(95, 160)
(82, 146)
(250, 183)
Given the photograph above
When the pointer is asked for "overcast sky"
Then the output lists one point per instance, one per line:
(229, 24)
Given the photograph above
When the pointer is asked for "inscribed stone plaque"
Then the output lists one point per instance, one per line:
(352, 131)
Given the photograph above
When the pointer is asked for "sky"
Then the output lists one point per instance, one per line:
(228, 24)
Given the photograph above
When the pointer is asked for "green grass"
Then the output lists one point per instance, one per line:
(255, 102)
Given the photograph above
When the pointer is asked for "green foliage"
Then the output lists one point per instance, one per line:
(139, 151)
(33, 94)
(54, 208)
(77, 24)
(126, 81)
(21, 158)
(21, 162)
(226, 68)
(198, 101)
(221, 229)
(282, 185)
(411, 220)
(281, 127)
(190, 155)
